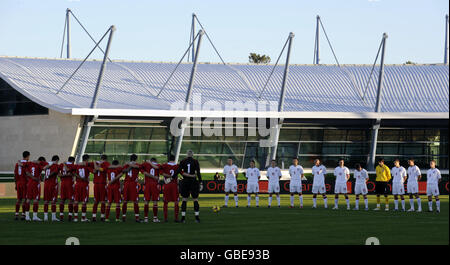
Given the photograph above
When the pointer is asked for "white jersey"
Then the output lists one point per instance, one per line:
(398, 174)
(296, 173)
(341, 174)
(252, 175)
(413, 174)
(230, 172)
(433, 176)
(319, 175)
(274, 174)
(361, 176)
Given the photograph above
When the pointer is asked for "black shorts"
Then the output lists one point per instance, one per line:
(189, 186)
(381, 187)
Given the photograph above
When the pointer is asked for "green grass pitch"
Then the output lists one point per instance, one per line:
(243, 225)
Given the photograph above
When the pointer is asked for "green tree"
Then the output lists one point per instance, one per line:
(257, 58)
(410, 62)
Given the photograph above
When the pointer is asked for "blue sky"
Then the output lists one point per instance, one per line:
(159, 30)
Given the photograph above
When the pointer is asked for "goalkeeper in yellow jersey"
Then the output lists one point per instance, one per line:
(381, 183)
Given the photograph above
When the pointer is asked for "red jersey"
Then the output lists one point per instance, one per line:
(35, 169)
(148, 168)
(67, 174)
(170, 169)
(19, 172)
(133, 174)
(50, 177)
(112, 173)
(84, 172)
(100, 175)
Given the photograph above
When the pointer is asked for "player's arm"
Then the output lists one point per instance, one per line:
(197, 169)
(347, 175)
(419, 174)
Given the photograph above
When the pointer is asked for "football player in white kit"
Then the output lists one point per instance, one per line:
(361, 176)
(342, 175)
(274, 175)
(231, 173)
(295, 185)
(253, 177)
(319, 172)
(398, 188)
(412, 186)
(433, 179)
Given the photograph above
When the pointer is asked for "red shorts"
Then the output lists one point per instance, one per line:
(151, 191)
(100, 192)
(130, 191)
(81, 192)
(50, 191)
(21, 189)
(114, 195)
(33, 191)
(170, 192)
(66, 191)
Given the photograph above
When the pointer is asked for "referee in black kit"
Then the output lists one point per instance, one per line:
(190, 184)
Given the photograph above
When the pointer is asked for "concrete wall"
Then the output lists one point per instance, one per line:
(42, 135)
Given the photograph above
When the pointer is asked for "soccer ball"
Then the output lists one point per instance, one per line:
(216, 209)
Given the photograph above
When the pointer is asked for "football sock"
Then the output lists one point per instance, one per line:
(183, 208)
(102, 209)
(270, 201)
(336, 203)
(61, 209)
(53, 215)
(124, 209)
(34, 215)
(386, 199)
(396, 204)
(117, 211)
(146, 210)
(155, 210)
(301, 200)
(54, 207)
(378, 201)
(357, 204)
(176, 210)
(366, 202)
(430, 205)
(226, 200)
(70, 208)
(419, 204)
(165, 210)
(348, 203)
(24, 206)
(248, 200)
(196, 208)
(94, 209)
(438, 205)
(325, 202)
(403, 204)
(292, 200)
(278, 200)
(17, 208)
(411, 202)
(236, 199)
(75, 210)
(45, 215)
(257, 200)
(108, 209)
(136, 210)
(35, 207)
(314, 202)
(83, 211)
(45, 208)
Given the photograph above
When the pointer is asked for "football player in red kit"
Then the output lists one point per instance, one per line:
(51, 172)
(114, 172)
(131, 187)
(21, 184)
(100, 187)
(84, 169)
(170, 188)
(67, 173)
(33, 171)
(151, 188)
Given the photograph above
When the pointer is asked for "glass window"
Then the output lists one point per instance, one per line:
(13, 103)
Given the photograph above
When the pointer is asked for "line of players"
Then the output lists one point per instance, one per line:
(342, 174)
(108, 190)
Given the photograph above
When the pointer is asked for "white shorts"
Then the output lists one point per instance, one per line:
(398, 188)
(432, 189)
(412, 187)
(252, 188)
(231, 186)
(295, 187)
(274, 187)
(361, 189)
(340, 188)
(319, 189)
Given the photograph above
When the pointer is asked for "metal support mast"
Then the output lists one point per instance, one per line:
(193, 36)
(376, 126)
(273, 152)
(89, 120)
(188, 96)
(446, 41)
(68, 31)
(316, 43)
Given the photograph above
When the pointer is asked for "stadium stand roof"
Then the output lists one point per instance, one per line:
(131, 87)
